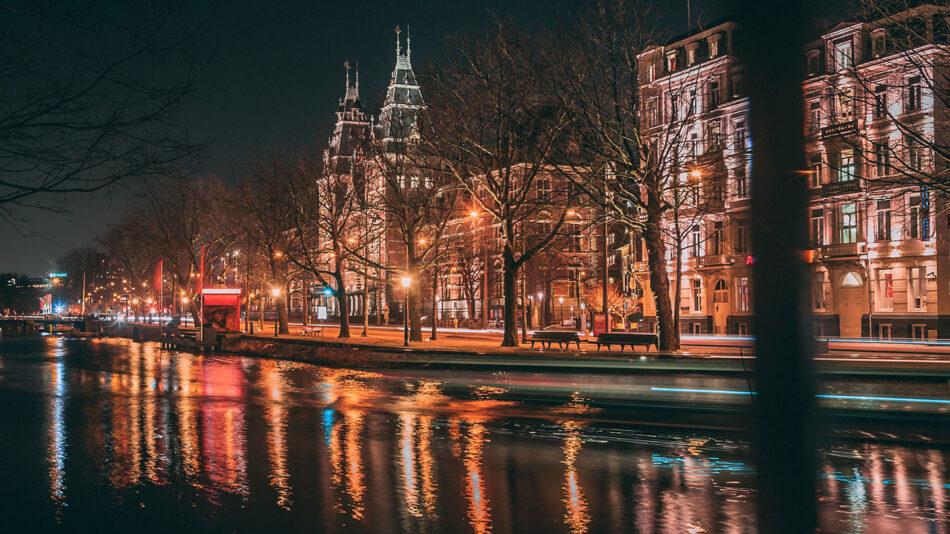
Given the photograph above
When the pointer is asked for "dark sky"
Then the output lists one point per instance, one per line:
(276, 82)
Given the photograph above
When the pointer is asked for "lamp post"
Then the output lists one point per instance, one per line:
(540, 308)
(276, 292)
(560, 305)
(405, 312)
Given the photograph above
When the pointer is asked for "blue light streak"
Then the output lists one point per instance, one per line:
(823, 396)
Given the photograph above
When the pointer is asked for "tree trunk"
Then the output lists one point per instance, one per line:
(282, 314)
(678, 286)
(342, 300)
(415, 311)
(524, 311)
(659, 279)
(365, 303)
(509, 279)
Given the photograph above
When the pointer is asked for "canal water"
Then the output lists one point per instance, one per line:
(110, 435)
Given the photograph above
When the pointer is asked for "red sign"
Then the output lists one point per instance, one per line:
(600, 323)
(222, 308)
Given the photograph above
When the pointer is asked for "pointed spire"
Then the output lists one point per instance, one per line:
(357, 76)
(346, 65)
(408, 42)
(398, 43)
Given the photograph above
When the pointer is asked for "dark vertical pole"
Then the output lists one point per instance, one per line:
(772, 47)
(605, 275)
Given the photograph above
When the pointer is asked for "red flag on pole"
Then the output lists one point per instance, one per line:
(157, 281)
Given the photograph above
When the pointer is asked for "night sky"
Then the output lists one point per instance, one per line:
(275, 84)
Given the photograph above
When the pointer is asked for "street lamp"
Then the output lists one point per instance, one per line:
(405, 312)
(560, 305)
(276, 292)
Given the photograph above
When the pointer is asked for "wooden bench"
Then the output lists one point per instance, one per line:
(546, 338)
(631, 339)
(311, 330)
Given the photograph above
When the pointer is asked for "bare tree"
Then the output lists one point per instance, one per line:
(325, 223)
(81, 107)
(496, 132)
(174, 218)
(266, 220)
(629, 155)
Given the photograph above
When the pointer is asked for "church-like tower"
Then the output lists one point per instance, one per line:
(352, 129)
(397, 119)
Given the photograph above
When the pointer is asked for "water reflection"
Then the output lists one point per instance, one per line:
(250, 444)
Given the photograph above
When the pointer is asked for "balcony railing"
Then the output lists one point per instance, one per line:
(840, 250)
(841, 128)
(714, 260)
(711, 155)
(840, 188)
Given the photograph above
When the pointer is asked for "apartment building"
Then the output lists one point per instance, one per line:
(879, 260)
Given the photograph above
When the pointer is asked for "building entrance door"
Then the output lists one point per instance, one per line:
(852, 304)
(720, 307)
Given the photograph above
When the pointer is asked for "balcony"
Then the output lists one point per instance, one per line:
(840, 250)
(840, 129)
(710, 156)
(840, 188)
(714, 260)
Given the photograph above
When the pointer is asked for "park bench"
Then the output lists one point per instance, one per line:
(631, 339)
(546, 338)
(311, 330)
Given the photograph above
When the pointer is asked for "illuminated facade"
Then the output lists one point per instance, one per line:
(879, 260)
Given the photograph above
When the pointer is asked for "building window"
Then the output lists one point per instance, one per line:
(741, 139)
(671, 61)
(815, 166)
(414, 182)
(880, 101)
(721, 293)
(742, 238)
(848, 232)
(878, 43)
(883, 220)
(885, 289)
(742, 182)
(714, 46)
(738, 87)
(715, 240)
(912, 94)
(919, 217)
(917, 288)
(651, 73)
(817, 227)
(713, 94)
(611, 260)
(695, 242)
(651, 113)
(691, 103)
(814, 116)
(846, 165)
(697, 295)
(814, 63)
(544, 188)
(691, 55)
(882, 158)
(818, 292)
(845, 104)
(914, 151)
(714, 135)
(843, 56)
(743, 302)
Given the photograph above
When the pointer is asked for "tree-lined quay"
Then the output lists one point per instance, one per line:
(529, 180)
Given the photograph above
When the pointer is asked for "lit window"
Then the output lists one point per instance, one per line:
(848, 231)
(883, 220)
(885, 289)
(917, 288)
(743, 301)
(843, 56)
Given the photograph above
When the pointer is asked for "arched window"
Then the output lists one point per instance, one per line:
(721, 292)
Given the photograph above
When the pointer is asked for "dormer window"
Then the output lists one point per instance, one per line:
(651, 73)
(878, 42)
(714, 45)
(691, 54)
(671, 61)
(738, 88)
(814, 63)
(844, 58)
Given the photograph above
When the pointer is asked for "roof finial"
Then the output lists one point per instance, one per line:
(398, 44)
(346, 65)
(357, 76)
(408, 42)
